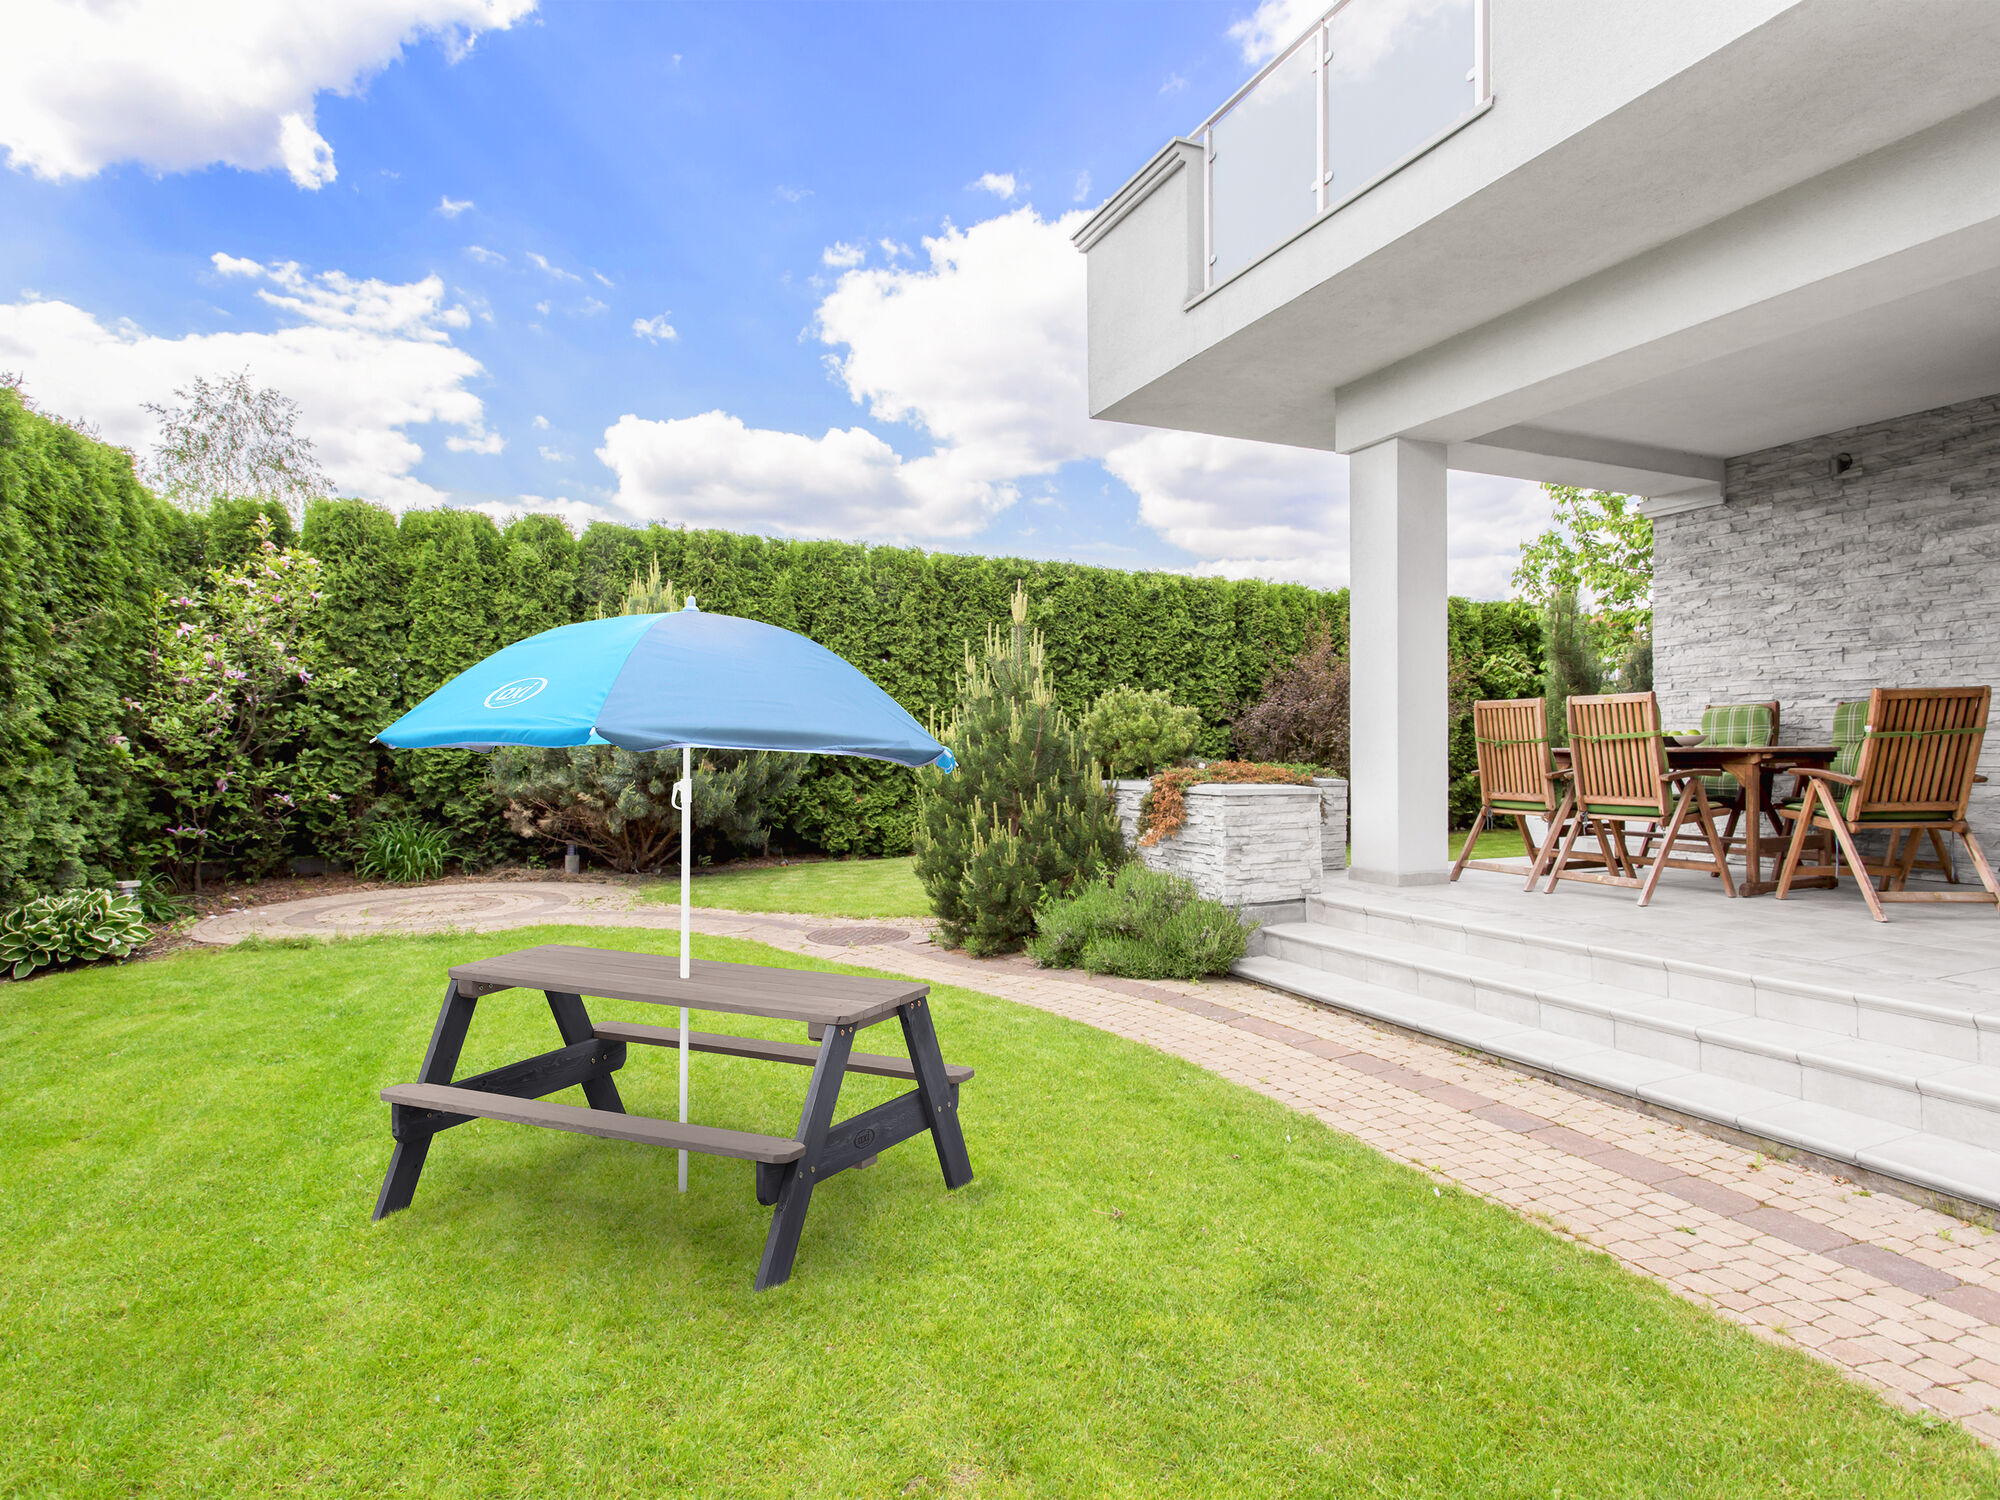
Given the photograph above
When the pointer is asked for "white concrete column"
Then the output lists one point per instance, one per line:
(1401, 734)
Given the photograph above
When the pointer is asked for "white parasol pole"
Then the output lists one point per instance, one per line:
(685, 796)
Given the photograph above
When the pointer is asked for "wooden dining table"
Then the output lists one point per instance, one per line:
(1754, 766)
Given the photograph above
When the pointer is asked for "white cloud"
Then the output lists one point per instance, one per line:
(1000, 184)
(235, 265)
(592, 307)
(893, 250)
(713, 470)
(575, 514)
(365, 360)
(552, 455)
(541, 423)
(603, 280)
(452, 207)
(1245, 510)
(542, 308)
(476, 441)
(980, 349)
(656, 329)
(793, 194)
(842, 255)
(1174, 84)
(175, 86)
(556, 272)
(484, 256)
(1082, 188)
(1366, 32)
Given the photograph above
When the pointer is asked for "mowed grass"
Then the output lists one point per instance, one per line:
(1158, 1285)
(827, 888)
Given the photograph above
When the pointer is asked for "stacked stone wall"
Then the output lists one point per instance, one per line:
(1247, 845)
(1811, 586)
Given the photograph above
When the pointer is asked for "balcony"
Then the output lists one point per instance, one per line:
(1370, 87)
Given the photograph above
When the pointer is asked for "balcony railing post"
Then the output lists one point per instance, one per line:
(1322, 75)
(1208, 209)
(1479, 73)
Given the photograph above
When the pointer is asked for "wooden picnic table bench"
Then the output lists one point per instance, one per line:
(833, 1007)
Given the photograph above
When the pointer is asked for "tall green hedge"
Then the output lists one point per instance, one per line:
(416, 600)
(82, 547)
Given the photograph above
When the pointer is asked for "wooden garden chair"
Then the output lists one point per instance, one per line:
(1518, 778)
(1734, 724)
(1618, 776)
(1912, 778)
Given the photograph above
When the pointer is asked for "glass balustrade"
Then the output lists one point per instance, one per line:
(1372, 83)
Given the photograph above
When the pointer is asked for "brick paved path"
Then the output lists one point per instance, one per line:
(1900, 1296)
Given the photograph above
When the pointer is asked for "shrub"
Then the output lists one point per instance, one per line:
(226, 705)
(77, 927)
(1142, 924)
(1133, 732)
(402, 848)
(1164, 809)
(1025, 816)
(618, 803)
(1303, 713)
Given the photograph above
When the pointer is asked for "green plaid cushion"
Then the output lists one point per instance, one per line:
(1850, 724)
(1733, 724)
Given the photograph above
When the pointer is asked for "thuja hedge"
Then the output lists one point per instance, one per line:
(82, 547)
(416, 599)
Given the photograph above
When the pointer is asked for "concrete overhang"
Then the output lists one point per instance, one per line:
(1655, 195)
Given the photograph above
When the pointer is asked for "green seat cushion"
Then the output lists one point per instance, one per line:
(1528, 807)
(1733, 724)
(1867, 817)
(1850, 731)
(1621, 810)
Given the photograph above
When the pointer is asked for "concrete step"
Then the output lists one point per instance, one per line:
(1927, 1159)
(1923, 1015)
(1903, 1086)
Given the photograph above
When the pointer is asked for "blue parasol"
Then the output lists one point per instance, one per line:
(669, 682)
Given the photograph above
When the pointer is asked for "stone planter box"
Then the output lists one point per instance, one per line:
(1263, 848)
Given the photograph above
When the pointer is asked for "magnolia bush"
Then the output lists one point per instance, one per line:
(74, 927)
(227, 702)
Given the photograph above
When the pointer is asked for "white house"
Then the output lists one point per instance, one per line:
(1694, 252)
(1739, 257)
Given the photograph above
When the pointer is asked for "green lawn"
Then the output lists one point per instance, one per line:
(1496, 843)
(827, 888)
(1159, 1284)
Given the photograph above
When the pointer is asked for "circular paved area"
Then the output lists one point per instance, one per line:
(438, 908)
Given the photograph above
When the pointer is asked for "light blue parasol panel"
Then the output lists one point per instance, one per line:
(659, 682)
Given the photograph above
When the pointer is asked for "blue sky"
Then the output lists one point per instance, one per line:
(795, 269)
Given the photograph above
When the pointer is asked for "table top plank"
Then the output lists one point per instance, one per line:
(654, 979)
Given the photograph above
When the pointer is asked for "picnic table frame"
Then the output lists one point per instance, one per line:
(834, 1008)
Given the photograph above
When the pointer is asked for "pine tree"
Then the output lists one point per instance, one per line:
(1025, 814)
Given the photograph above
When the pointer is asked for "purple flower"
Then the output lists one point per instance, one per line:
(333, 796)
(222, 783)
(116, 740)
(304, 675)
(285, 798)
(184, 629)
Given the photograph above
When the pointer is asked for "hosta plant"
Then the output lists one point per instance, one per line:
(74, 927)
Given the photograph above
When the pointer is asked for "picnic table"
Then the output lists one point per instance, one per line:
(833, 1007)
(1753, 766)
